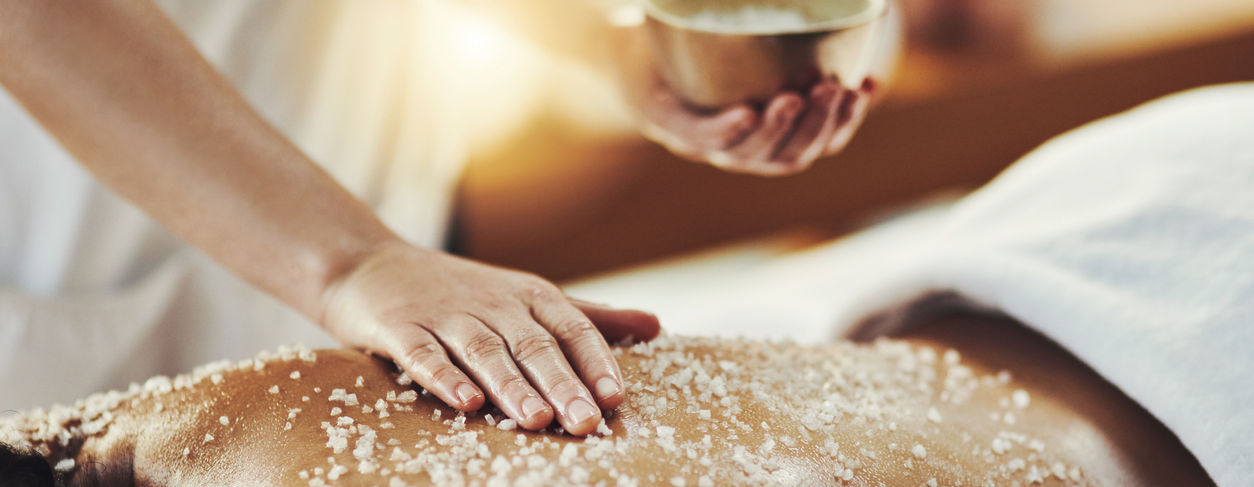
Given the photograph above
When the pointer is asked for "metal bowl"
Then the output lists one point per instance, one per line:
(713, 65)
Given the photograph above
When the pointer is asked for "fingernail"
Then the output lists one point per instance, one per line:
(532, 406)
(580, 410)
(606, 387)
(466, 393)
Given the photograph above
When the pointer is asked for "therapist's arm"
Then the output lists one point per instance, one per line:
(127, 94)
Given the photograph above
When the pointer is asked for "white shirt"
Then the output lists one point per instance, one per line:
(94, 294)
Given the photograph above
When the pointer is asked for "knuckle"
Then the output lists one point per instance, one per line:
(421, 353)
(536, 286)
(445, 372)
(484, 346)
(513, 385)
(533, 346)
(567, 386)
(575, 330)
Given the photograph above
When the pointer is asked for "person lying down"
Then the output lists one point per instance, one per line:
(939, 407)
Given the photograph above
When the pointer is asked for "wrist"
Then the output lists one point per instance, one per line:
(343, 270)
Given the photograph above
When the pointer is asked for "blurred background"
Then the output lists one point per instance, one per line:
(562, 184)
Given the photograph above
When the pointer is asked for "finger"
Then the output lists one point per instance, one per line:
(541, 360)
(424, 359)
(852, 113)
(619, 325)
(483, 354)
(809, 139)
(778, 120)
(686, 132)
(584, 345)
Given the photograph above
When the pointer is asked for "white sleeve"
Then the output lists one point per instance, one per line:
(1130, 242)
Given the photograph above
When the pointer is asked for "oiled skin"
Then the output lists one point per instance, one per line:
(1083, 421)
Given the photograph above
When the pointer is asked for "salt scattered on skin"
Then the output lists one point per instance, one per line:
(1021, 398)
(768, 378)
(407, 397)
(1000, 445)
(65, 466)
(295, 375)
(274, 389)
(208, 438)
(225, 421)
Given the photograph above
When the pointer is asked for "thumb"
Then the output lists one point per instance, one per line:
(620, 324)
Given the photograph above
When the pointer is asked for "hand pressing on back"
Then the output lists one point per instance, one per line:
(470, 332)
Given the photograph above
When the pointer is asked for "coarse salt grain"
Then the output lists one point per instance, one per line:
(1000, 445)
(918, 451)
(225, 421)
(1020, 398)
(933, 415)
(65, 465)
(507, 425)
(274, 389)
(294, 375)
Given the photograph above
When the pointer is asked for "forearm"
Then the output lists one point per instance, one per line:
(129, 96)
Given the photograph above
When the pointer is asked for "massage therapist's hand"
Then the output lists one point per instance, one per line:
(784, 137)
(464, 330)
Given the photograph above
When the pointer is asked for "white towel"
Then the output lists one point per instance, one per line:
(1129, 241)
